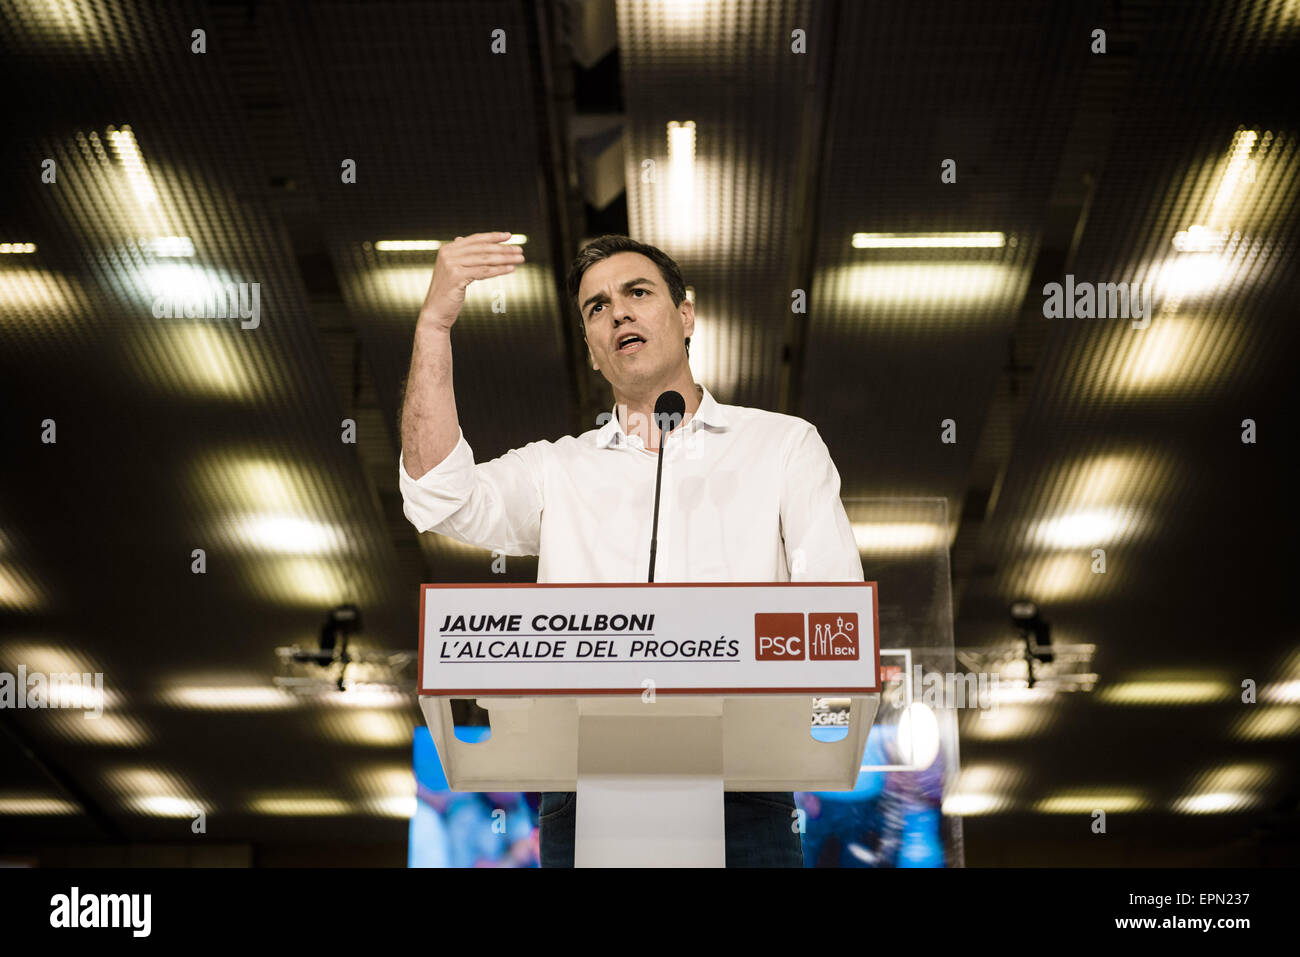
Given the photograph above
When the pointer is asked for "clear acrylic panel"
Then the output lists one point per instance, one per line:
(894, 815)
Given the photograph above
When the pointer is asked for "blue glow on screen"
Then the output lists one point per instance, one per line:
(889, 819)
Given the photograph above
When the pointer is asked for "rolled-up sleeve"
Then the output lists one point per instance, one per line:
(819, 541)
(495, 504)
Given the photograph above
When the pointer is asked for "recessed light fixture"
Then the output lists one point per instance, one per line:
(170, 246)
(406, 245)
(429, 245)
(128, 154)
(929, 240)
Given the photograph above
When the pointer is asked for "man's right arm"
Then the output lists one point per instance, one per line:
(494, 505)
(430, 427)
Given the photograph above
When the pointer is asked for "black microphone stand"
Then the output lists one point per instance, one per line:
(659, 475)
(670, 406)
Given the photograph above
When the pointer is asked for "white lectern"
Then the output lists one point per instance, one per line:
(650, 700)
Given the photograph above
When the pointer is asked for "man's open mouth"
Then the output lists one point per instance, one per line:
(631, 342)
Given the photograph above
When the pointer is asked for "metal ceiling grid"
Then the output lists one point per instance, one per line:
(729, 68)
(403, 103)
(211, 452)
(1131, 439)
(445, 145)
(898, 339)
(1215, 348)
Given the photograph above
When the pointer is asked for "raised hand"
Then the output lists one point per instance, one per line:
(467, 258)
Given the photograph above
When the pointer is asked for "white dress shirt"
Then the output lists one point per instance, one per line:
(748, 496)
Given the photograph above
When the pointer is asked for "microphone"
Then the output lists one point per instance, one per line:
(670, 408)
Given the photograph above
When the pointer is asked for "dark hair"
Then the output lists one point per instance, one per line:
(601, 249)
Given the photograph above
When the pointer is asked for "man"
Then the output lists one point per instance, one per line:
(747, 495)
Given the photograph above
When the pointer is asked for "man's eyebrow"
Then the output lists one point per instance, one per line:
(626, 287)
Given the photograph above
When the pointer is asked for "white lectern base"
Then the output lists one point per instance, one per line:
(651, 821)
(630, 818)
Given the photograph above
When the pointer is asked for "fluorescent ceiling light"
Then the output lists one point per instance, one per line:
(293, 806)
(899, 537)
(398, 806)
(164, 805)
(715, 355)
(972, 805)
(1239, 167)
(27, 291)
(53, 659)
(17, 248)
(981, 778)
(252, 482)
(1198, 239)
(359, 695)
(406, 245)
(384, 780)
(1174, 353)
(1191, 274)
(681, 144)
(131, 781)
(72, 693)
(287, 534)
(17, 591)
(1009, 693)
(183, 286)
(1084, 802)
(929, 240)
(937, 290)
(1007, 722)
(1101, 480)
(370, 727)
(255, 698)
(401, 289)
(1235, 777)
(197, 359)
(110, 730)
(1172, 692)
(1215, 802)
(681, 178)
(128, 154)
(1282, 692)
(425, 245)
(299, 581)
(1061, 577)
(170, 246)
(1268, 723)
(1081, 529)
(24, 805)
(681, 13)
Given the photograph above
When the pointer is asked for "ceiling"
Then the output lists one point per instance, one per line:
(177, 434)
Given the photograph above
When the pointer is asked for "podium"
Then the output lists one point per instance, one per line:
(650, 700)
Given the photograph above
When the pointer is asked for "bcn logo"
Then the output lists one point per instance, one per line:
(782, 636)
(834, 637)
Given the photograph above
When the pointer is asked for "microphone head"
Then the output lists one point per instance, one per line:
(670, 409)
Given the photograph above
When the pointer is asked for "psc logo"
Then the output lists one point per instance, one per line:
(779, 637)
(782, 636)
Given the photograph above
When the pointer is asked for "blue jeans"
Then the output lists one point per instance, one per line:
(760, 829)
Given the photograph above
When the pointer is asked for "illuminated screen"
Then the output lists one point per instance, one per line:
(889, 819)
(467, 828)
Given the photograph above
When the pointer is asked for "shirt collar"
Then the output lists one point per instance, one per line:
(708, 414)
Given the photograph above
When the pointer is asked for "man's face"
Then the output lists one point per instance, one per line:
(625, 296)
